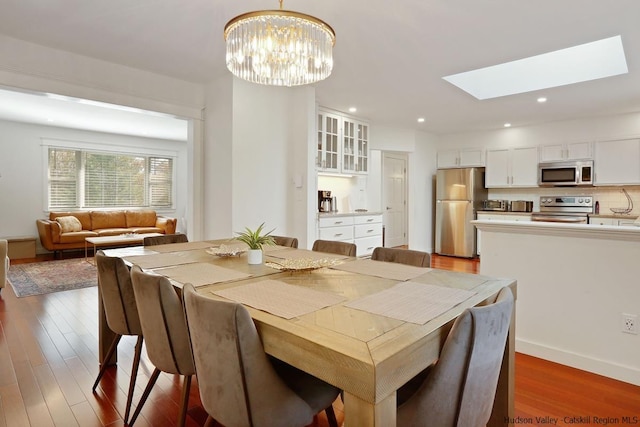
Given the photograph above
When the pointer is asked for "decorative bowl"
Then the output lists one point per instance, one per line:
(301, 264)
(226, 251)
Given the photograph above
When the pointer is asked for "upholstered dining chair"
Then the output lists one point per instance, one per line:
(402, 256)
(291, 242)
(460, 388)
(166, 336)
(4, 262)
(331, 247)
(239, 385)
(114, 285)
(165, 239)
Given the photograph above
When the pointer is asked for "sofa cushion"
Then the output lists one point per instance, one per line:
(145, 230)
(69, 223)
(112, 231)
(108, 219)
(146, 218)
(76, 236)
(83, 216)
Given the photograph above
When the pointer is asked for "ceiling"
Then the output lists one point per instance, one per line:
(389, 57)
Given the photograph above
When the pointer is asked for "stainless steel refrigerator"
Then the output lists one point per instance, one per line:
(459, 195)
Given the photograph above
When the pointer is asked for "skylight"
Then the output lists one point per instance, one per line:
(589, 61)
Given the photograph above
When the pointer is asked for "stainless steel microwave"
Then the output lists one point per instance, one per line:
(561, 174)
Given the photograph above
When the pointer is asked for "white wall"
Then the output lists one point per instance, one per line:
(421, 148)
(257, 159)
(22, 176)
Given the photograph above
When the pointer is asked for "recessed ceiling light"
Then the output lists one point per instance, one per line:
(50, 120)
(421, 120)
(589, 61)
(353, 109)
(507, 125)
(542, 99)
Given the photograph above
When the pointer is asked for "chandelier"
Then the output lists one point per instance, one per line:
(279, 47)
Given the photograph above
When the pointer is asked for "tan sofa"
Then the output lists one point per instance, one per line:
(67, 230)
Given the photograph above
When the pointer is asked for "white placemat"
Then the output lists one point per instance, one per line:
(168, 259)
(412, 302)
(291, 253)
(183, 246)
(201, 273)
(279, 298)
(387, 270)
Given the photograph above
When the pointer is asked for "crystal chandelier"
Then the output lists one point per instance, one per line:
(279, 47)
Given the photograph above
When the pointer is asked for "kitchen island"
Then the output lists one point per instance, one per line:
(575, 281)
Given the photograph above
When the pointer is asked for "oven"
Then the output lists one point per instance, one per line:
(565, 209)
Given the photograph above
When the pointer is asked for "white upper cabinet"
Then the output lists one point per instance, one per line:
(617, 162)
(355, 146)
(328, 142)
(562, 152)
(460, 158)
(514, 167)
(343, 144)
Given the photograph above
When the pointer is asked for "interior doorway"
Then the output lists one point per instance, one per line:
(394, 198)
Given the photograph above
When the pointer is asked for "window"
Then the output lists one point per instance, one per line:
(88, 179)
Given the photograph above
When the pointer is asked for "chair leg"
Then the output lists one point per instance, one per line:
(184, 405)
(103, 368)
(331, 416)
(145, 395)
(134, 374)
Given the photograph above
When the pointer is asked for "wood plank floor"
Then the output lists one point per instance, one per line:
(48, 362)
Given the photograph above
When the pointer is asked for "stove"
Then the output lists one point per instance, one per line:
(567, 209)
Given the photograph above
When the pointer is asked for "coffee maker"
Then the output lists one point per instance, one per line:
(324, 201)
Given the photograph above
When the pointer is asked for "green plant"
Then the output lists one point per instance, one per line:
(255, 239)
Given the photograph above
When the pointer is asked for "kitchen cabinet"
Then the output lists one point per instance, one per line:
(342, 144)
(460, 158)
(328, 142)
(563, 152)
(355, 146)
(599, 220)
(363, 230)
(617, 162)
(512, 167)
(491, 216)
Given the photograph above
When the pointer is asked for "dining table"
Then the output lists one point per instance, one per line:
(364, 326)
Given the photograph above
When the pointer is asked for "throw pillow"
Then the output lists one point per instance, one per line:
(69, 224)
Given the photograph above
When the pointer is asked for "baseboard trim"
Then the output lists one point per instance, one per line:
(606, 368)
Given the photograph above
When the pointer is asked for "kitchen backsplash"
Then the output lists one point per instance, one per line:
(609, 197)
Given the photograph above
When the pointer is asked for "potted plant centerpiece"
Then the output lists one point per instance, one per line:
(255, 240)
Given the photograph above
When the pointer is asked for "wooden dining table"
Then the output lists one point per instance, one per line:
(354, 333)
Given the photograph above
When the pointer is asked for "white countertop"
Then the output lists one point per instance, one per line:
(605, 232)
(338, 214)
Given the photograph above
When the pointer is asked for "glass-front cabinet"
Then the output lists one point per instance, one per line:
(328, 142)
(343, 144)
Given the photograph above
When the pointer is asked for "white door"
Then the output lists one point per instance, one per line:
(394, 204)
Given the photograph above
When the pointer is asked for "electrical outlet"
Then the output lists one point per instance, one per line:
(630, 323)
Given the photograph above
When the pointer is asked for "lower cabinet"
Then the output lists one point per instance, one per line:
(363, 230)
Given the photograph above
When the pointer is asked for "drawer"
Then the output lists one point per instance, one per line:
(337, 233)
(336, 221)
(366, 230)
(368, 219)
(366, 245)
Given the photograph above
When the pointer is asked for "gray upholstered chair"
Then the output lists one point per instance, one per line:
(114, 285)
(239, 385)
(165, 240)
(166, 336)
(460, 388)
(4, 262)
(402, 256)
(334, 247)
(291, 242)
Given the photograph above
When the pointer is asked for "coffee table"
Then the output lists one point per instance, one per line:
(119, 240)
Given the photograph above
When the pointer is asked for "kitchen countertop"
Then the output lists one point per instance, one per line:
(615, 216)
(337, 214)
(504, 212)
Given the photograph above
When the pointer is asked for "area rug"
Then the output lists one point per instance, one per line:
(52, 276)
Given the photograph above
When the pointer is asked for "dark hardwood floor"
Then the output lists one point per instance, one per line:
(48, 362)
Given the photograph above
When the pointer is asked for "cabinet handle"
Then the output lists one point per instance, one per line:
(370, 231)
(338, 222)
(337, 234)
(370, 219)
